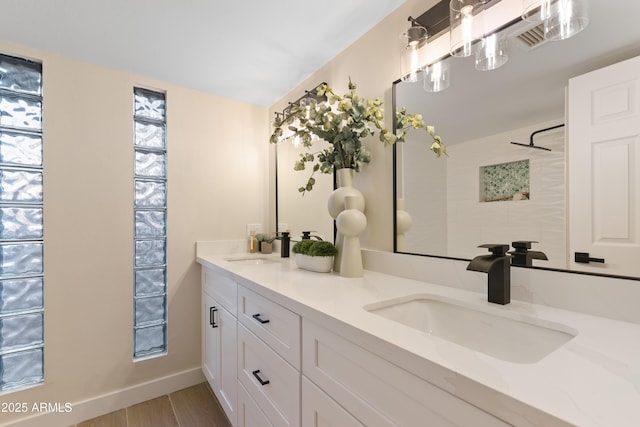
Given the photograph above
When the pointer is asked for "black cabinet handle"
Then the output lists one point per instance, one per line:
(260, 380)
(212, 320)
(259, 319)
(583, 257)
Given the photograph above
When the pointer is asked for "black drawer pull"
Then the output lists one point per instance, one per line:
(260, 380)
(212, 320)
(585, 258)
(257, 317)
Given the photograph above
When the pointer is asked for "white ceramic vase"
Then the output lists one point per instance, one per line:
(351, 222)
(336, 204)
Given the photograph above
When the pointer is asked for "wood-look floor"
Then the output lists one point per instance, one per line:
(192, 407)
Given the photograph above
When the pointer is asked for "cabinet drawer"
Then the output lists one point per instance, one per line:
(249, 415)
(319, 410)
(378, 392)
(269, 380)
(274, 324)
(223, 288)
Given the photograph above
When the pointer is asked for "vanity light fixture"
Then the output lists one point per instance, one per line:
(561, 18)
(414, 38)
(464, 27)
(462, 19)
(309, 100)
(308, 103)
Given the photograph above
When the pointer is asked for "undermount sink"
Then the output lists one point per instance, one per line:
(252, 260)
(509, 336)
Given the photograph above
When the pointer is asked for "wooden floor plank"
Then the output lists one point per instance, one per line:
(152, 413)
(197, 407)
(113, 419)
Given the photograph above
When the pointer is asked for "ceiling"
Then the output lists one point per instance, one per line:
(253, 51)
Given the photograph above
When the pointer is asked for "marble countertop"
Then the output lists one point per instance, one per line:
(592, 380)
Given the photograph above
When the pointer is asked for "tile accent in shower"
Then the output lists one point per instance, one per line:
(505, 182)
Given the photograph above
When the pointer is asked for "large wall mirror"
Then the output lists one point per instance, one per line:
(489, 190)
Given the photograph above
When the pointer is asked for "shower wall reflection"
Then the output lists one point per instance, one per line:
(446, 197)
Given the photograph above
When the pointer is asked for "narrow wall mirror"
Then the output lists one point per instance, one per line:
(297, 213)
(456, 203)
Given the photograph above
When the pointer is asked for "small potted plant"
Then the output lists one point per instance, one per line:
(315, 255)
(265, 242)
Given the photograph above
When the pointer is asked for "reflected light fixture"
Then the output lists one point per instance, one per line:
(561, 18)
(414, 38)
(566, 19)
(468, 36)
(491, 52)
(437, 76)
(535, 10)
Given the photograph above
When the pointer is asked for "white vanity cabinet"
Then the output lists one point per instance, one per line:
(269, 357)
(375, 391)
(249, 414)
(219, 343)
(319, 410)
(272, 367)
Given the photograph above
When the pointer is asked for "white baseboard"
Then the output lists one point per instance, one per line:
(100, 405)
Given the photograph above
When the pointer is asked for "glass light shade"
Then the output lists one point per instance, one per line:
(566, 19)
(464, 27)
(491, 52)
(308, 104)
(536, 10)
(410, 65)
(410, 68)
(437, 77)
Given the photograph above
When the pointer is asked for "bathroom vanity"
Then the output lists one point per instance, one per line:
(319, 349)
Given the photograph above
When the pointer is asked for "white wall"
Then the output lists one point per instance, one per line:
(218, 182)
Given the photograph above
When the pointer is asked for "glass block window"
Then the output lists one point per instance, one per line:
(150, 224)
(505, 182)
(21, 226)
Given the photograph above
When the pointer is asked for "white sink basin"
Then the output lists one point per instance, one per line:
(505, 335)
(252, 260)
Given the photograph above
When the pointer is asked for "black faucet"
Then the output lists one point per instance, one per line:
(497, 266)
(306, 235)
(523, 256)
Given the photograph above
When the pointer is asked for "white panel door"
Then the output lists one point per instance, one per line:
(604, 162)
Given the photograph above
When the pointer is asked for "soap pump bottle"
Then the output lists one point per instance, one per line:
(253, 242)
